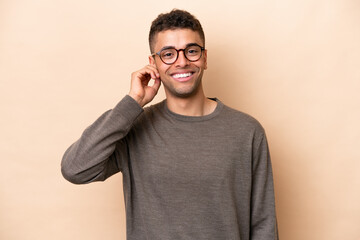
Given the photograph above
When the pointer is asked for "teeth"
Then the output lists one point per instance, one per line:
(182, 75)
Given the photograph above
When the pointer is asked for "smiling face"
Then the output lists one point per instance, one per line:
(182, 79)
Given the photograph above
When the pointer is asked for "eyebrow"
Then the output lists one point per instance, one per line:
(172, 47)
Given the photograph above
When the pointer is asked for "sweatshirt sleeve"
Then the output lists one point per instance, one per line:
(95, 156)
(263, 214)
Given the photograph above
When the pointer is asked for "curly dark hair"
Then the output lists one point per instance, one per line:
(174, 20)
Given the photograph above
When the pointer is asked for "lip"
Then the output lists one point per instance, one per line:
(182, 79)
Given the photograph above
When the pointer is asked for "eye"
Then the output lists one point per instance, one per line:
(166, 54)
(193, 50)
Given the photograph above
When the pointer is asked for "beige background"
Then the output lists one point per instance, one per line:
(294, 65)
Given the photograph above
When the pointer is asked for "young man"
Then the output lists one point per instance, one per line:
(192, 167)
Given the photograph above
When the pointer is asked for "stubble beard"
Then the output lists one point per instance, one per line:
(184, 93)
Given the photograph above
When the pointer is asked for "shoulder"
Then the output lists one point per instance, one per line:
(239, 120)
(154, 110)
(151, 113)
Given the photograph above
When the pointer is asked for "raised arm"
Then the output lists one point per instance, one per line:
(93, 156)
(97, 154)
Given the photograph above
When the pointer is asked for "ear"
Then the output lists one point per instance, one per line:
(205, 59)
(151, 60)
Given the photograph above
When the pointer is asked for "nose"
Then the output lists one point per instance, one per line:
(182, 61)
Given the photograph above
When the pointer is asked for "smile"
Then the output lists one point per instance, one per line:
(182, 75)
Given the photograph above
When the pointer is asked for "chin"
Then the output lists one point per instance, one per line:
(184, 93)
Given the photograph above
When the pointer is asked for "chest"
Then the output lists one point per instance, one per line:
(194, 157)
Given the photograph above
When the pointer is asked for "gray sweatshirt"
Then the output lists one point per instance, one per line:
(184, 177)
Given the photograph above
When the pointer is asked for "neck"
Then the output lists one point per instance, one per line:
(196, 105)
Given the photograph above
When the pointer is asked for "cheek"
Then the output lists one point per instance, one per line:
(162, 72)
(202, 66)
(163, 69)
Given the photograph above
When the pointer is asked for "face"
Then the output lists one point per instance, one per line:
(181, 79)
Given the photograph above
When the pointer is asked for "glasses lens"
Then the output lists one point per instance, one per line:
(168, 55)
(193, 53)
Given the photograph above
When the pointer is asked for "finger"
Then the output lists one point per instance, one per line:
(154, 70)
(156, 84)
(148, 72)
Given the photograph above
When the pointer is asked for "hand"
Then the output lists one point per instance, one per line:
(140, 91)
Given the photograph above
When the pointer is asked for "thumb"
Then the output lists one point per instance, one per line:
(157, 84)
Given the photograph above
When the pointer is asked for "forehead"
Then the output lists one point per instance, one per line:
(177, 38)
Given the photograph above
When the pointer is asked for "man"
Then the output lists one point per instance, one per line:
(192, 167)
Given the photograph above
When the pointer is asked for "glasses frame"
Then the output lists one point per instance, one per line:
(177, 53)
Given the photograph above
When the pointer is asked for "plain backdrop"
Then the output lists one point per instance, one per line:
(293, 65)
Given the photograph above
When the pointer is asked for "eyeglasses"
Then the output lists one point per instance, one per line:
(169, 55)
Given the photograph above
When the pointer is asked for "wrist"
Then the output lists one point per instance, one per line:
(136, 98)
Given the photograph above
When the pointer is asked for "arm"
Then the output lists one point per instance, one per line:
(93, 156)
(263, 214)
(97, 154)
